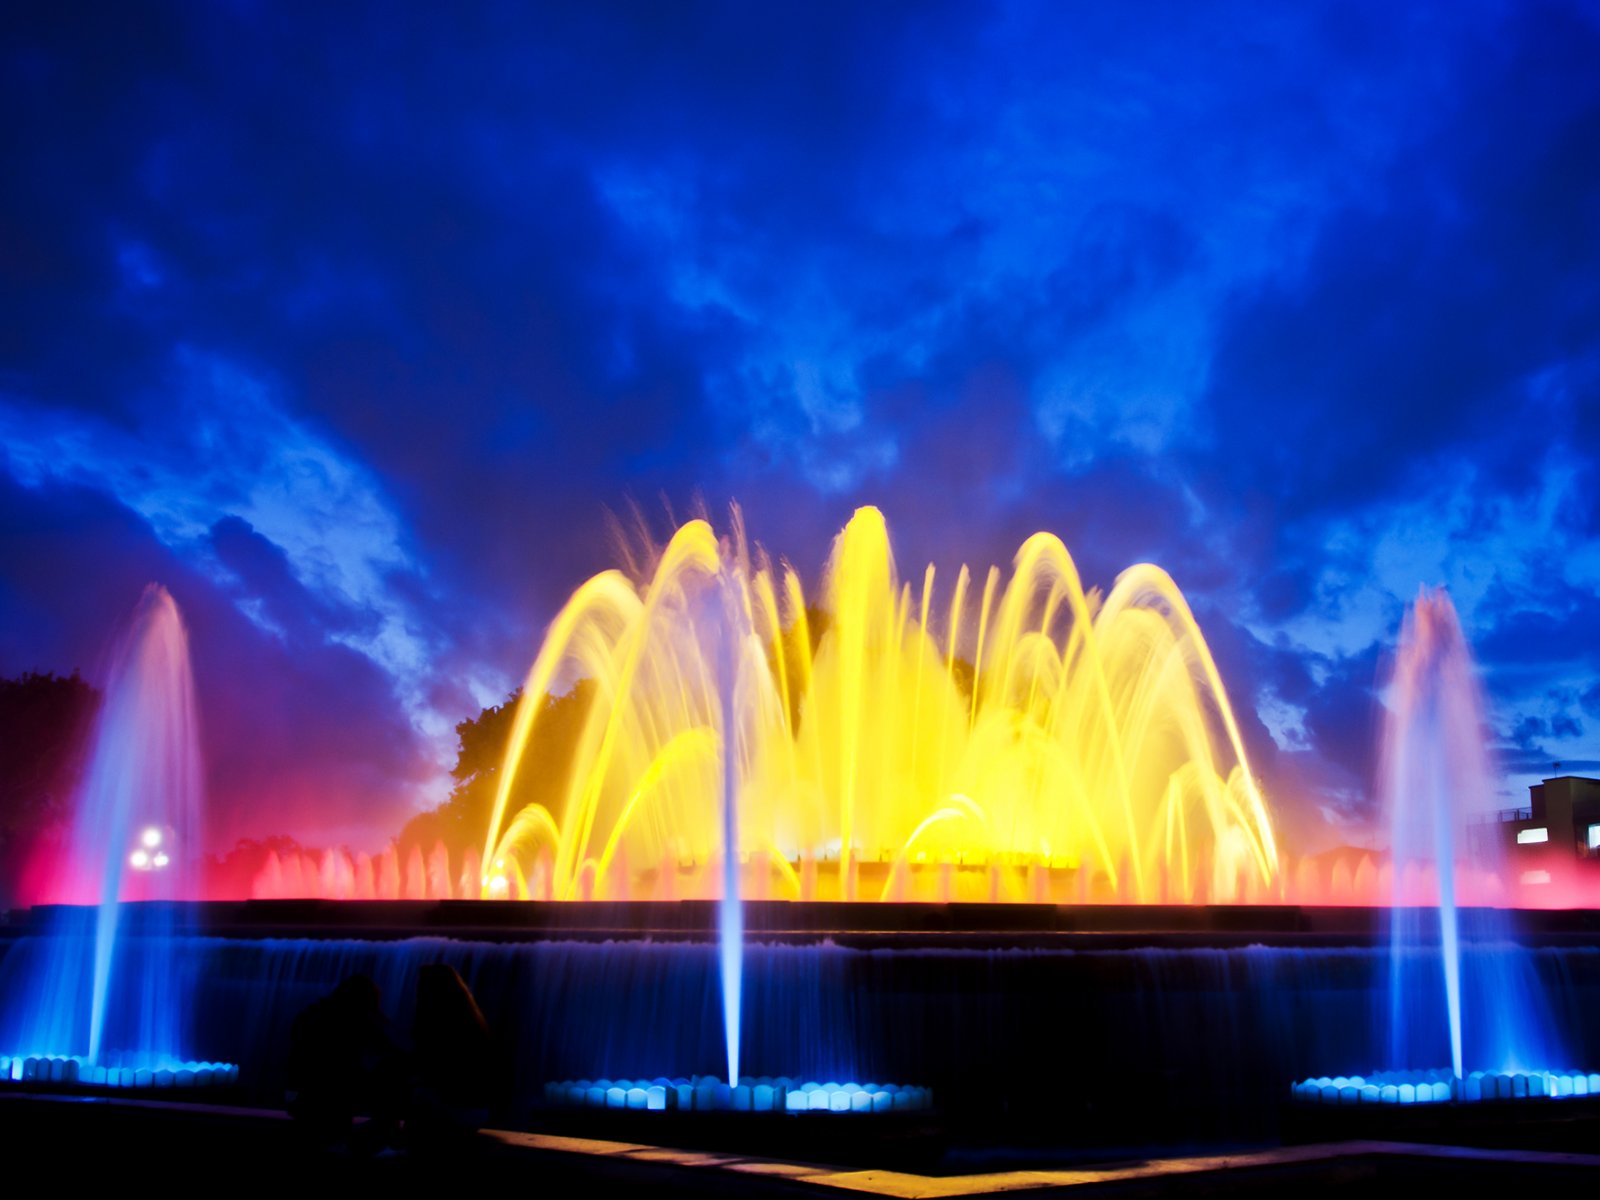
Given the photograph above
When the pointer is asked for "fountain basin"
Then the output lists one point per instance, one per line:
(764, 1093)
(1442, 1087)
(77, 1073)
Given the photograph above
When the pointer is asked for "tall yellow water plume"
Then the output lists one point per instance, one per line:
(1086, 750)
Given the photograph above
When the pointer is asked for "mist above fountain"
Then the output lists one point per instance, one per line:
(1001, 740)
(105, 991)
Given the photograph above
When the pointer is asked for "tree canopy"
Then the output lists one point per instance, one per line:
(462, 820)
(44, 726)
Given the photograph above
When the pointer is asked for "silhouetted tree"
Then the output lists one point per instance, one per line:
(462, 820)
(44, 726)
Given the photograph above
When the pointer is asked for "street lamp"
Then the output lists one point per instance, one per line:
(150, 854)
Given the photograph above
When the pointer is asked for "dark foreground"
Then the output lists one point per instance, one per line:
(129, 1139)
(1106, 1026)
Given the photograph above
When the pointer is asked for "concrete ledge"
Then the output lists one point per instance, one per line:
(1098, 925)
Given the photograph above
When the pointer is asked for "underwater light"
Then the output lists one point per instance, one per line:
(764, 1093)
(1440, 1087)
(77, 1073)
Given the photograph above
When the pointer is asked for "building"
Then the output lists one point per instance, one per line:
(1562, 819)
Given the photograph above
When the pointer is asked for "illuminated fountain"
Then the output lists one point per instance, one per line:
(1024, 740)
(102, 998)
(1019, 739)
(1091, 757)
(1465, 1014)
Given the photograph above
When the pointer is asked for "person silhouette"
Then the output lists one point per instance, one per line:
(342, 1064)
(451, 1060)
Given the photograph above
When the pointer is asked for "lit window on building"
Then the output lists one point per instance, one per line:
(1528, 836)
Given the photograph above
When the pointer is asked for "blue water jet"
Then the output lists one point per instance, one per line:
(730, 913)
(136, 832)
(730, 931)
(1483, 1011)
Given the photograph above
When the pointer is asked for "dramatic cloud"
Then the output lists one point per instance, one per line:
(353, 325)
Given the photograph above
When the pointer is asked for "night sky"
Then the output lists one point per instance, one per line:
(352, 324)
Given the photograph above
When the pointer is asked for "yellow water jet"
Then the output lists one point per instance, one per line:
(1088, 751)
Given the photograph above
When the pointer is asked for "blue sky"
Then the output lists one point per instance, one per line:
(351, 324)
